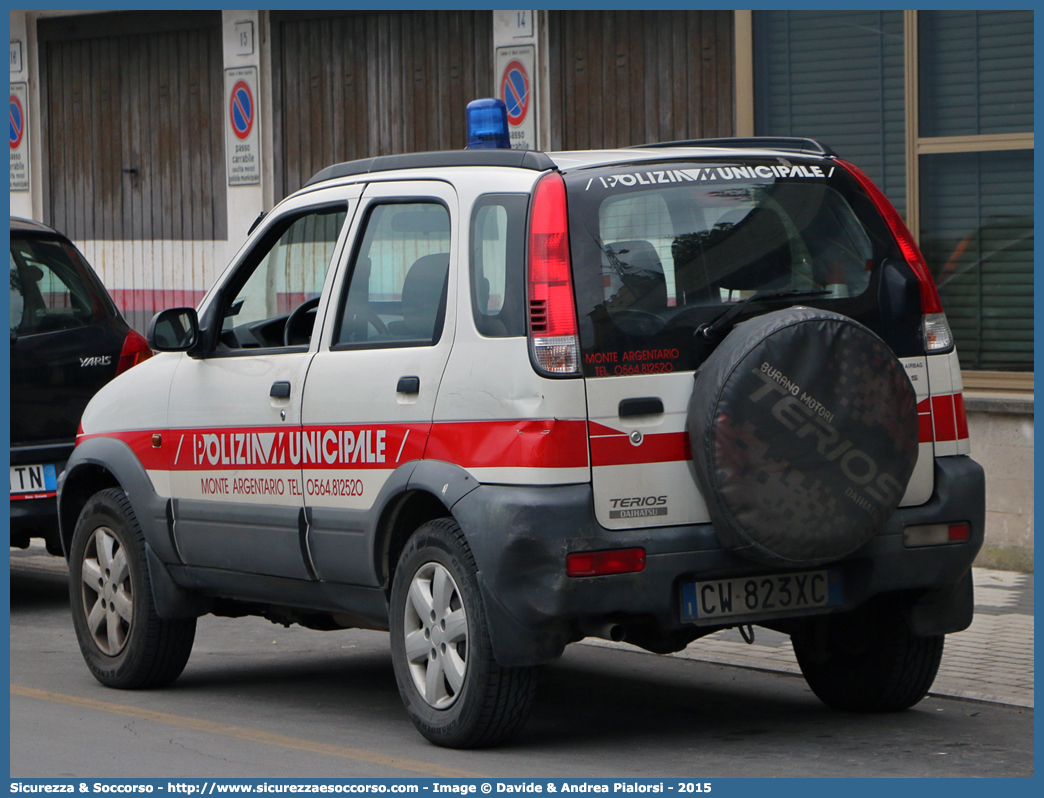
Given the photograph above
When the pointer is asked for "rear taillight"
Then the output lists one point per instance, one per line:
(603, 563)
(935, 535)
(937, 335)
(552, 314)
(135, 350)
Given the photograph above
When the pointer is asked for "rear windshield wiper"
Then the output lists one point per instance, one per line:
(710, 330)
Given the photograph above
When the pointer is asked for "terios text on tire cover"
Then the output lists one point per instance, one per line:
(496, 401)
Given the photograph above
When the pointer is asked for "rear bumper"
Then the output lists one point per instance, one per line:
(33, 518)
(37, 518)
(520, 537)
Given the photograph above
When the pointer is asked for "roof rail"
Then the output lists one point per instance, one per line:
(522, 159)
(788, 143)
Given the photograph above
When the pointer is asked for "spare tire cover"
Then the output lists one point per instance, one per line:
(803, 428)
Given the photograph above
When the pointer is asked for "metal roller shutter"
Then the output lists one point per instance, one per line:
(976, 77)
(976, 72)
(836, 77)
(977, 235)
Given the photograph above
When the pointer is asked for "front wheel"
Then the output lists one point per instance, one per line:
(454, 690)
(123, 641)
(867, 660)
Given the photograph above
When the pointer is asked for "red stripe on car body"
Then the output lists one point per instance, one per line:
(595, 429)
(924, 432)
(942, 413)
(962, 416)
(545, 443)
(663, 447)
(527, 443)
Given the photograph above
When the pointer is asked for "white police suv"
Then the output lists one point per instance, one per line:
(496, 401)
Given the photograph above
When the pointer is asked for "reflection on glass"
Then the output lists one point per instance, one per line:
(48, 289)
(977, 236)
(684, 246)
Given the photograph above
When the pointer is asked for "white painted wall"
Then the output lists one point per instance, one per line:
(1002, 443)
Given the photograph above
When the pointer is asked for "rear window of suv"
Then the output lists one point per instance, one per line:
(659, 249)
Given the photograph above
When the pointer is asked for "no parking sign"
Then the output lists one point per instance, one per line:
(242, 140)
(514, 91)
(19, 137)
(241, 110)
(516, 86)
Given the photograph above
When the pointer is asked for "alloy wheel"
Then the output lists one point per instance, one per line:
(108, 598)
(436, 635)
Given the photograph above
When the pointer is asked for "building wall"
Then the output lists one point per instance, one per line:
(355, 85)
(129, 112)
(1001, 430)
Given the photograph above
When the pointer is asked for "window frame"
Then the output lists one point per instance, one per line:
(916, 145)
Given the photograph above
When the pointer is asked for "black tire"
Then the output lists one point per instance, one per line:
(867, 661)
(490, 704)
(126, 645)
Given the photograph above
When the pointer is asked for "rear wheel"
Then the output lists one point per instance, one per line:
(454, 690)
(123, 641)
(867, 661)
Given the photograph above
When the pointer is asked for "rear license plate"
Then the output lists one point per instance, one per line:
(33, 481)
(760, 595)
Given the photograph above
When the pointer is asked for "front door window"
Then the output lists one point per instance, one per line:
(274, 306)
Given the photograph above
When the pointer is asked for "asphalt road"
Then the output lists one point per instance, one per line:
(258, 700)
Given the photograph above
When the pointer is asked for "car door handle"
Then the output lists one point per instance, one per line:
(280, 390)
(408, 385)
(641, 406)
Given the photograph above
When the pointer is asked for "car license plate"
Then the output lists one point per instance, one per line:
(760, 595)
(33, 481)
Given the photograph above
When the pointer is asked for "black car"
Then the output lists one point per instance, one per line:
(67, 340)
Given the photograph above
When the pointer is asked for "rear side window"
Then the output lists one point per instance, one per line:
(657, 252)
(498, 248)
(51, 288)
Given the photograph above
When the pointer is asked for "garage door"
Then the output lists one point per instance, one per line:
(633, 77)
(134, 167)
(356, 85)
(132, 105)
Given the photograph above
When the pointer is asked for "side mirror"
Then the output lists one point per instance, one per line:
(173, 330)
